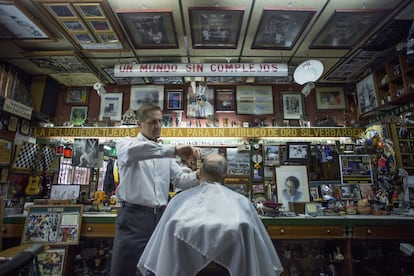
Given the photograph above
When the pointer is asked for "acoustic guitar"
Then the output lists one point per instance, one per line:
(33, 186)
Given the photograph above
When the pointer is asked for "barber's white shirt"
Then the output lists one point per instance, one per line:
(210, 223)
(146, 169)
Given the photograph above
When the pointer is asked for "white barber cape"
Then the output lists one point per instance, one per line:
(210, 223)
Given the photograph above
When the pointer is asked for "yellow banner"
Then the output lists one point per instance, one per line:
(199, 132)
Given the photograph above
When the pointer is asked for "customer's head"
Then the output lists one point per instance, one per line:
(149, 119)
(213, 168)
(292, 184)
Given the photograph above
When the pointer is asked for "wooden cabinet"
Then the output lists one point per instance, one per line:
(394, 82)
(304, 232)
(403, 137)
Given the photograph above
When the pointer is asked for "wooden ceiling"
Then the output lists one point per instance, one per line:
(79, 42)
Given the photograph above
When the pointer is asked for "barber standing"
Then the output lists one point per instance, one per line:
(146, 169)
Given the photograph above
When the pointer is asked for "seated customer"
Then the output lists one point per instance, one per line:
(210, 224)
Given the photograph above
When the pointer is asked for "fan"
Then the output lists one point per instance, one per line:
(307, 73)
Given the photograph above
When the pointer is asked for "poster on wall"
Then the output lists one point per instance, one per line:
(355, 168)
(200, 104)
(111, 106)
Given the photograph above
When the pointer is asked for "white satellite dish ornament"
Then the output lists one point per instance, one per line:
(308, 72)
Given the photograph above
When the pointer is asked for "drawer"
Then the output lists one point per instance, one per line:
(304, 232)
(98, 230)
(14, 230)
(385, 232)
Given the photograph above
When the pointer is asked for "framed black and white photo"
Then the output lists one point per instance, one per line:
(149, 28)
(280, 29)
(215, 27)
(366, 94)
(346, 27)
(271, 155)
(292, 106)
(292, 184)
(298, 151)
(143, 94)
(111, 106)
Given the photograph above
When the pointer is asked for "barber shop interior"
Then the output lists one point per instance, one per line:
(198, 138)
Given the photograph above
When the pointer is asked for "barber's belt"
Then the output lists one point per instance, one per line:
(154, 210)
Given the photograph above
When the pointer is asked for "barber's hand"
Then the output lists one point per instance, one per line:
(187, 152)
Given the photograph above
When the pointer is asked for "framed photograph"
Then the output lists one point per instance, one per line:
(90, 11)
(349, 148)
(24, 127)
(292, 106)
(225, 101)
(174, 99)
(78, 115)
(280, 29)
(298, 151)
(62, 11)
(201, 103)
(345, 28)
(52, 261)
(292, 184)
(77, 95)
(74, 26)
(142, 94)
(167, 120)
(50, 224)
(355, 192)
(13, 123)
(367, 191)
(149, 28)
(20, 24)
(111, 106)
(271, 155)
(254, 100)
(215, 27)
(314, 193)
(345, 191)
(330, 98)
(366, 94)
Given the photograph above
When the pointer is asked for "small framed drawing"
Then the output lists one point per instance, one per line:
(298, 151)
(330, 98)
(144, 94)
(366, 94)
(174, 99)
(292, 106)
(292, 184)
(78, 115)
(225, 101)
(77, 95)
(215, 27)
(111, 106)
